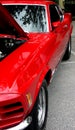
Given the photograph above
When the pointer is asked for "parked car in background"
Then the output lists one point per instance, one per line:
(31, 47)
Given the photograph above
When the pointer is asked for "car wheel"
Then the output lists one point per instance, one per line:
(68, 51)
(39, 113)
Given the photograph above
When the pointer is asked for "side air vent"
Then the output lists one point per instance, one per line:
(11, 114)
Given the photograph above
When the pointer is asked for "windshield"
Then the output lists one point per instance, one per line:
(31, 18)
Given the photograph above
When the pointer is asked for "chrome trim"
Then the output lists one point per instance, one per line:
(24, 124)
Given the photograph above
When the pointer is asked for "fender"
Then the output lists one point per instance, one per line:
(43, 76)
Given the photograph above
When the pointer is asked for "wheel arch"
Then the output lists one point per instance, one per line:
(48, 76)
(45, 75)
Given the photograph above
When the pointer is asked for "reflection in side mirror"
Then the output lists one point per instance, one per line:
(55, 24)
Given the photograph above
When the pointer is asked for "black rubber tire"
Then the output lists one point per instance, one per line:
(68, 51)
(35, 121)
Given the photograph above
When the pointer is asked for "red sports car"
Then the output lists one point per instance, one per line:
(31, 46)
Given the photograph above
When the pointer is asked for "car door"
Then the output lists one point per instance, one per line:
(65, 29)
(57, 24)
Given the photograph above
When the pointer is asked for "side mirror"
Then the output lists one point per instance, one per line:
(67, 17)
(56, 24)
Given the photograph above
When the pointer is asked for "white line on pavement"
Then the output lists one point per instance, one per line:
(68, 62)
(73, 52)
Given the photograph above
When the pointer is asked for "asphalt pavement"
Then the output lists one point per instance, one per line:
(61, 113)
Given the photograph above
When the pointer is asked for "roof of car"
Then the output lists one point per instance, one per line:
(27, 1)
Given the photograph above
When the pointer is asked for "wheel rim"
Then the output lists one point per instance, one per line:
(41, 107)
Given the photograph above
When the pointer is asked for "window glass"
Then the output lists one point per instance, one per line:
(32, 18)
(60, 10)
(54, 14)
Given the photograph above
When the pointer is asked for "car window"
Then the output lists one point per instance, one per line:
(54, 15)
(60, 12)
(32, 18)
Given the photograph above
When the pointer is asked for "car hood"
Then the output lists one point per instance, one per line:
(8, 25)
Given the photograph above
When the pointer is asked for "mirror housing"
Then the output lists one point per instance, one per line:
(67, 17)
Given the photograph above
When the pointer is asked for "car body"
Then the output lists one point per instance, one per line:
(29, 60)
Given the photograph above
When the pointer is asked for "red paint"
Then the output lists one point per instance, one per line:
(24, 69)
